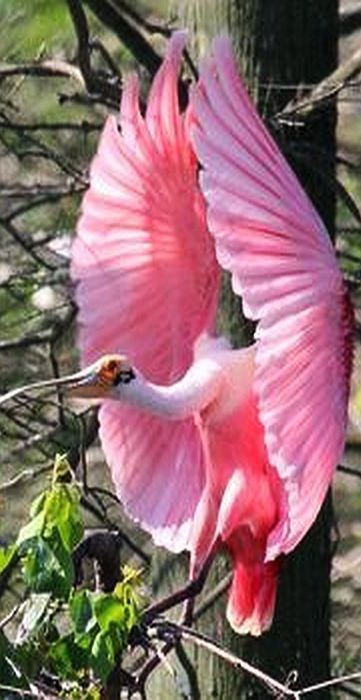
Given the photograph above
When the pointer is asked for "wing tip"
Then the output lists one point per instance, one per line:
(176, 45)
(222, 46)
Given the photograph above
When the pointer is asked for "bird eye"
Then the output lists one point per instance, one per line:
(124, 376)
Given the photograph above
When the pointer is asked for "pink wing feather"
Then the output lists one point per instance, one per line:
(147, 285)
(270, 237)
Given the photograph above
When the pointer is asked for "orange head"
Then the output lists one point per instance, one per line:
(99, 379)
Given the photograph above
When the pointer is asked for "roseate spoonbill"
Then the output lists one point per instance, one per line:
(209, 445)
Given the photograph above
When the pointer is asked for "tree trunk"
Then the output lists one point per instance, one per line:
(284, 43)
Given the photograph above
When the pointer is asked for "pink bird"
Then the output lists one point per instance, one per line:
(211, 446)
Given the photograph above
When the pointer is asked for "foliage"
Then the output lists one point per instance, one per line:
(73, 636)
(28, 28)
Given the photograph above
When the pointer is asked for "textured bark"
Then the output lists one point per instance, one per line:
(288, 43)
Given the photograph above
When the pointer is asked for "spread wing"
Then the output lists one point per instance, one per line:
(270, 237)
(147, 285)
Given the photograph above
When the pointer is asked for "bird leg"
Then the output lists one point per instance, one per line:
(186, 593)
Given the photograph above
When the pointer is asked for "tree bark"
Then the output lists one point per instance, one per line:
(282, 46)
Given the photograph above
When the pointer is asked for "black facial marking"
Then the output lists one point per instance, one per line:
(124, 376)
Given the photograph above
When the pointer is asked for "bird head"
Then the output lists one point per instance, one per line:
(102, 379)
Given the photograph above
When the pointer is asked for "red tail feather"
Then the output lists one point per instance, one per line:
(252, 598)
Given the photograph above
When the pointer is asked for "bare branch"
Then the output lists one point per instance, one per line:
(324, 91)
(350, 19)
(330, 683)
(47, 192)
(44, 69)
(150, 27)
(41, 337)
(25, 245)
(128, 34)
(169, 630)
(23, 476)
(213, 595)
(84, 126)
(186, 634)
(86, 99)
(103, 85)
(349, 470)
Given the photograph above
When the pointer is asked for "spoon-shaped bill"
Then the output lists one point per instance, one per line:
(82, 378)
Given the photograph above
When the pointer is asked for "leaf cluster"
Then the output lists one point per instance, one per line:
(74, 637)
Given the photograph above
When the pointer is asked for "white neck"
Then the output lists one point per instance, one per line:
(193, 392)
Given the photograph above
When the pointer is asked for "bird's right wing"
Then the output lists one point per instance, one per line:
(146, 285)
(269, 236)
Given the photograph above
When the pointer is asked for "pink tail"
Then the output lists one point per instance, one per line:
(252, 597)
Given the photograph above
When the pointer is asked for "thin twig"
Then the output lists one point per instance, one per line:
(188, 635)
(26, 246)
(349, 470)
(110, 88)
(55, 367)
(22, 476)
(330, 683)
(349, 19)
(47, 192)
(325, 90)
(273, 685)
(27, 340)
(44, 69)
(132, 38)
(213, 595)
(83, 125)
(150, 27)
(10, 616)
(186, 593)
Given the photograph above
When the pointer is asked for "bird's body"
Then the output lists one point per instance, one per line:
(208, 445)
(212, 408)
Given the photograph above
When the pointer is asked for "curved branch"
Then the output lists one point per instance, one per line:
(99, 84)
(44, 69)
(325, 90)
(141, 49)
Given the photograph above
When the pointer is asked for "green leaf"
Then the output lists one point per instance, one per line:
(62, 470)
(62, 511)
(10, 673)
(67, 658)
(59, 509)
(28, 659)
(84, 640)
(38, 504)
(128, 589)
(49, 538)
(107, 609)
(32, 529)
(6, 555)
(103, 655)
(35, 610)
(48, 566)
(81, 612)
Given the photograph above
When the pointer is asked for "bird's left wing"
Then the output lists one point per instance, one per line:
(146, 285)
(269, 236)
